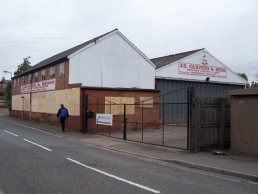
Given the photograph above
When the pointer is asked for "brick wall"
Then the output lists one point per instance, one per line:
(96, 98)
(72, 123)
(62, 82)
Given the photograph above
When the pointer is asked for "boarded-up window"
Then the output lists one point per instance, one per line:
(115, 105)
(146, 102)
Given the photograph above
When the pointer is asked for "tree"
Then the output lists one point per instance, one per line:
(254, 84)
(244, 76)
(256, 76)
(8, 94)
(22, 67)
(2, 80)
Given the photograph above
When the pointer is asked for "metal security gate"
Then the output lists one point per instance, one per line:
(163, 120)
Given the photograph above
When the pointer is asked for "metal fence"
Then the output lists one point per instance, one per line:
(150, 121)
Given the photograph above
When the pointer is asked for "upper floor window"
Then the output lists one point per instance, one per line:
(14, 83)
(23, 80)
(61, 69)
(43, 74)
(29, 79)
(18, 82)
(36, 77)
(52, 72)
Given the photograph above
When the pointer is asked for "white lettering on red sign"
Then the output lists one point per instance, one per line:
(39, 86)
(202, 70)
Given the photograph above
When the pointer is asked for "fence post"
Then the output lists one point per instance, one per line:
(189, 116)
(222, 123)
(197, 125)
(124, 132)
(84, 114)
(194, 121)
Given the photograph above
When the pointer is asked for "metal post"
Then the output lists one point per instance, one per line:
(85, 109)
(189, 115)
(109, 128)
(222, 123)
(30, 95)
(22, 106)
(124, 132)
(98, 112)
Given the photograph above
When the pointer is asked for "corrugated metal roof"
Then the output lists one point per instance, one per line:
(63, 55)
(163, 61)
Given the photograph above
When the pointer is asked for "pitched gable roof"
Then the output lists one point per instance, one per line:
(163, 61)
(63, 55)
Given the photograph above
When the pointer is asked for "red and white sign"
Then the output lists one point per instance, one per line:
(39, 86)
(202, 70)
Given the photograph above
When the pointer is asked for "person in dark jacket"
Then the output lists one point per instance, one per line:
(62, 114)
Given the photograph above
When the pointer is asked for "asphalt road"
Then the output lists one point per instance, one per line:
(32, 161)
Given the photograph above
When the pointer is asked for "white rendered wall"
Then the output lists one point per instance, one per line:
(111, 62)
(171, 71)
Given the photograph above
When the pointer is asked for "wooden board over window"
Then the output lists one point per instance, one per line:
(115, 105)
(146, 102)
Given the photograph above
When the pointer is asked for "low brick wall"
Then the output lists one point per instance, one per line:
(72, 123)
(3, 105)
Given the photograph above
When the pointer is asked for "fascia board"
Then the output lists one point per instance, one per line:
(195, 80)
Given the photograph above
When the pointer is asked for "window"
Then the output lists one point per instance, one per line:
(52, 72)
(36, 77)
(43, 74)
(18, 82)
(23, 80)
(29, 79)
(61, 69)
(14, 83)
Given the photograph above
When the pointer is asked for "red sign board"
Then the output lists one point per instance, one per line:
(202, 70)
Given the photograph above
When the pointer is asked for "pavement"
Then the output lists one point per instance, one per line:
(228, 164)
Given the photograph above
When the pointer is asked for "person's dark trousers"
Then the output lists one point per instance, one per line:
(63, 123)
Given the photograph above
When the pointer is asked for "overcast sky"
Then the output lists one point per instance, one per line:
(228, 29)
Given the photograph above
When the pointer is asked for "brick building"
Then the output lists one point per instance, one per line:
(107, 69)
(2, 94)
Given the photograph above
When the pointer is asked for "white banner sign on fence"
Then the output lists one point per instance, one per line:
(104, 119)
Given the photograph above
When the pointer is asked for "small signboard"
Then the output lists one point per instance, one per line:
(104, 119)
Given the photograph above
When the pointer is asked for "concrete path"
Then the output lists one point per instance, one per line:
(232, 165)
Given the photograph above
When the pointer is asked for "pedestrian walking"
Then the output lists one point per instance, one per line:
(62, 114)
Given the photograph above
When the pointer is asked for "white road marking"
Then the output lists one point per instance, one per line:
(115, 177)
(11, 133)
(37, 145)
(27, 126)
(253, 183)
